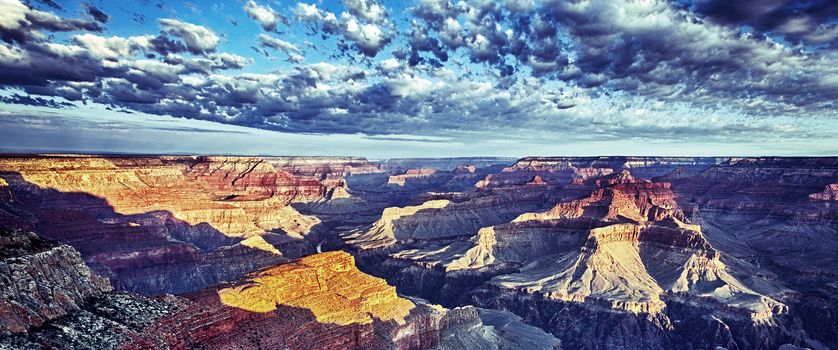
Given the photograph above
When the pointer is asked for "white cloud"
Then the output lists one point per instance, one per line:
(389, 65)
(264, 15)
(368, 37)
(113, 47)
(406, 86)
(198, 39)
(12, 14)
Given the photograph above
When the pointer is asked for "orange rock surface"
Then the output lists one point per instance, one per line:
(328, 284)
(239, 196)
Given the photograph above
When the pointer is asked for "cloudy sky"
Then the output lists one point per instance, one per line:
(420, 78)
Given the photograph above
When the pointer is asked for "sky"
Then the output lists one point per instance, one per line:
(422, 78)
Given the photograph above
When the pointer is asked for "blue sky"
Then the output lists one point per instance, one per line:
(420, 78)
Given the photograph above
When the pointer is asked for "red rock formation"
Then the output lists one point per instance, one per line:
(411, 176)
(536, 181)
(641, 252)
(51, 300)
(624, 248)
(319, 302)
(322, 168)
(465, 169)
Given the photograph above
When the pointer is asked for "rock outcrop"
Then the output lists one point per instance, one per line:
(626, 252)
(400, 165)
(830, 193)
(411, 176)
(601, 252)
(41, 281)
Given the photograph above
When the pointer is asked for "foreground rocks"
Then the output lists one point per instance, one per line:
(41, 281)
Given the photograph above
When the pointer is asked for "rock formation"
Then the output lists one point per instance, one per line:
(622, 248)
(189, 222)
(412, 175)
(41, 281)
(830, 193)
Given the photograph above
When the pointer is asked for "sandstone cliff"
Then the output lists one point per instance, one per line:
(602, 252)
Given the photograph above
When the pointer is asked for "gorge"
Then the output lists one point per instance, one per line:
(222, 252)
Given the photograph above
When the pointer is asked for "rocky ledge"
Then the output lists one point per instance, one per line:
(41, 280)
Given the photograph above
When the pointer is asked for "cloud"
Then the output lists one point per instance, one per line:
(369, 10)
(113, 47)
(652, 49)
(96, 13)
(19, 23)
(805, 22)
(368, 32)
(264, 15)
(33, 101)
(291, 50)
(198, 39)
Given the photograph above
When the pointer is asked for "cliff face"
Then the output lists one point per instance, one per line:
(41, 281)
(830, 193)
(173, 224)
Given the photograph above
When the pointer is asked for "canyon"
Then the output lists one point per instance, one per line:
(220, 252)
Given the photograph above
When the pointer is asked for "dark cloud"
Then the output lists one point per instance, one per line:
(51, 4)
(33, 101)
(96, 13)
(800, 21)
(198, 130)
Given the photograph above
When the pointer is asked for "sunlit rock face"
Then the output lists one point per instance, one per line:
(328, 284)
(173, 223)
(830, 193)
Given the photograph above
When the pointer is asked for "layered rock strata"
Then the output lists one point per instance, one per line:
(173, 223)
(626, 253)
